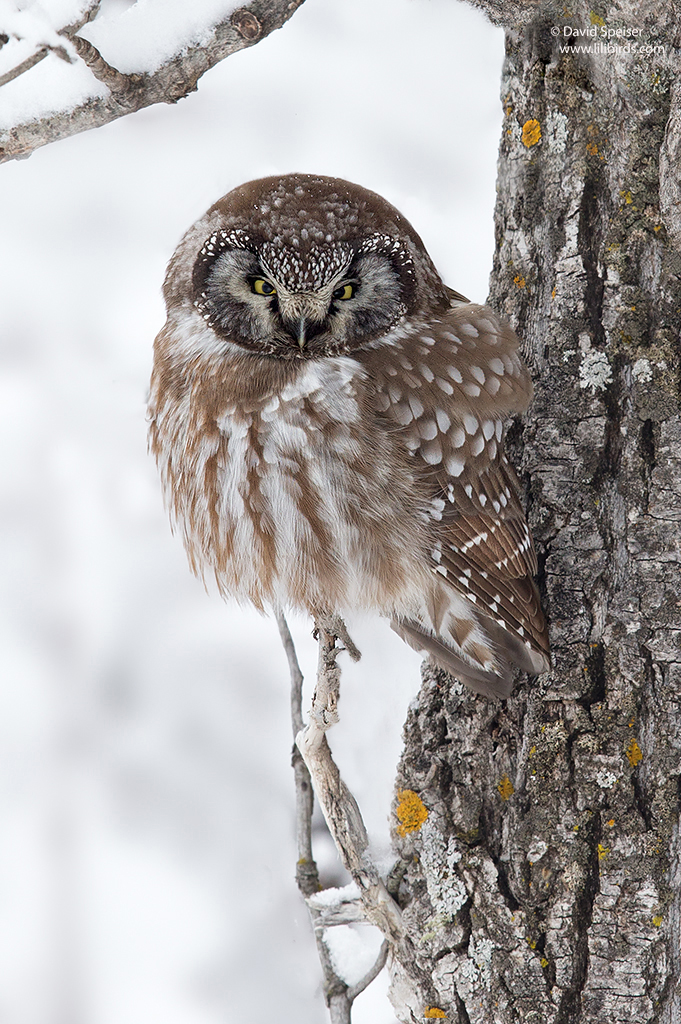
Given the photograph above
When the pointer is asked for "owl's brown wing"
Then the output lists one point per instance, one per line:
(456, 298)
(489, 556)
(449, 386)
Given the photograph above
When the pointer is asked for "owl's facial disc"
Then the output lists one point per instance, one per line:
(279, 302)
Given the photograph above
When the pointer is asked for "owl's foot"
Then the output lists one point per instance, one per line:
(329, 628)
(333, 625)
(324, 708)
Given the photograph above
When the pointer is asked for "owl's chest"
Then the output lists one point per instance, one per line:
(306, 500)
(298, 442)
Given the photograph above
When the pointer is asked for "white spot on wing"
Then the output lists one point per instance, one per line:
(431, 452)
(427, 430)
(443, 420)
(477, 444)
(454, 467)
(415, 406)
(402, 414)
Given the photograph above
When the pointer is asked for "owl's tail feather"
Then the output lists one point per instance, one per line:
(508, 651)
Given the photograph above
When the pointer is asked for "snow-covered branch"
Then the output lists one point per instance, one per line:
(75, 67)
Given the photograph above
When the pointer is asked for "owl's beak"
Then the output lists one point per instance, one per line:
(302, 316)
(301, 333)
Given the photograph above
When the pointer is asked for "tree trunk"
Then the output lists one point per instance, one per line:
(544, 884)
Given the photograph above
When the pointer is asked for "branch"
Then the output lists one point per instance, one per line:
(345, 823)
(339, 996)
(128, 93)
(339, 807)
(307, 875)
(89, 14)
(372, 974)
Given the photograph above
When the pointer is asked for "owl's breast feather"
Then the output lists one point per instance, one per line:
(295, 496)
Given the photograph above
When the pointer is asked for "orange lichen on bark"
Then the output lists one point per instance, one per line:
(531, 133)
(634, 753)
(505, 787)
(434, 1011)
(411, 811)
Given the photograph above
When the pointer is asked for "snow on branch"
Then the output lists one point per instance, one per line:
(79, 64)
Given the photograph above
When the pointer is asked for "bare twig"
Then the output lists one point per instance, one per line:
(296, 674)
(307, 875)
(345, 823)
(372, 974)
(119, 85)
(339, 996)
(171, 82)
(339, 807)
(25, 65)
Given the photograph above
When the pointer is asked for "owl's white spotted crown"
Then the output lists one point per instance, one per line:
(304, 227)
(299, 272)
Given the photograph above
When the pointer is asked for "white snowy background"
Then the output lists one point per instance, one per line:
(146, 805)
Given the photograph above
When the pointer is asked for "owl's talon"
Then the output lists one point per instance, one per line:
(325, 718)
(334, 627)
(324, 709)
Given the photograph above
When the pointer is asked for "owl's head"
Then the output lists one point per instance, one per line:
(303, 266)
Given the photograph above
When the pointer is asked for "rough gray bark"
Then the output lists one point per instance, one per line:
(539, 836)
(127, 93)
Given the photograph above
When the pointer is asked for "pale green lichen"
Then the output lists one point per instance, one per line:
(595, 371)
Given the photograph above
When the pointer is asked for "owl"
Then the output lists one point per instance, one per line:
(328, 421)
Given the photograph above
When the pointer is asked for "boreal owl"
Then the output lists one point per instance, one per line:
(328, 420)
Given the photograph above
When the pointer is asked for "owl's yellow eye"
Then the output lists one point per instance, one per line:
(346, 291)
(263, 287)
